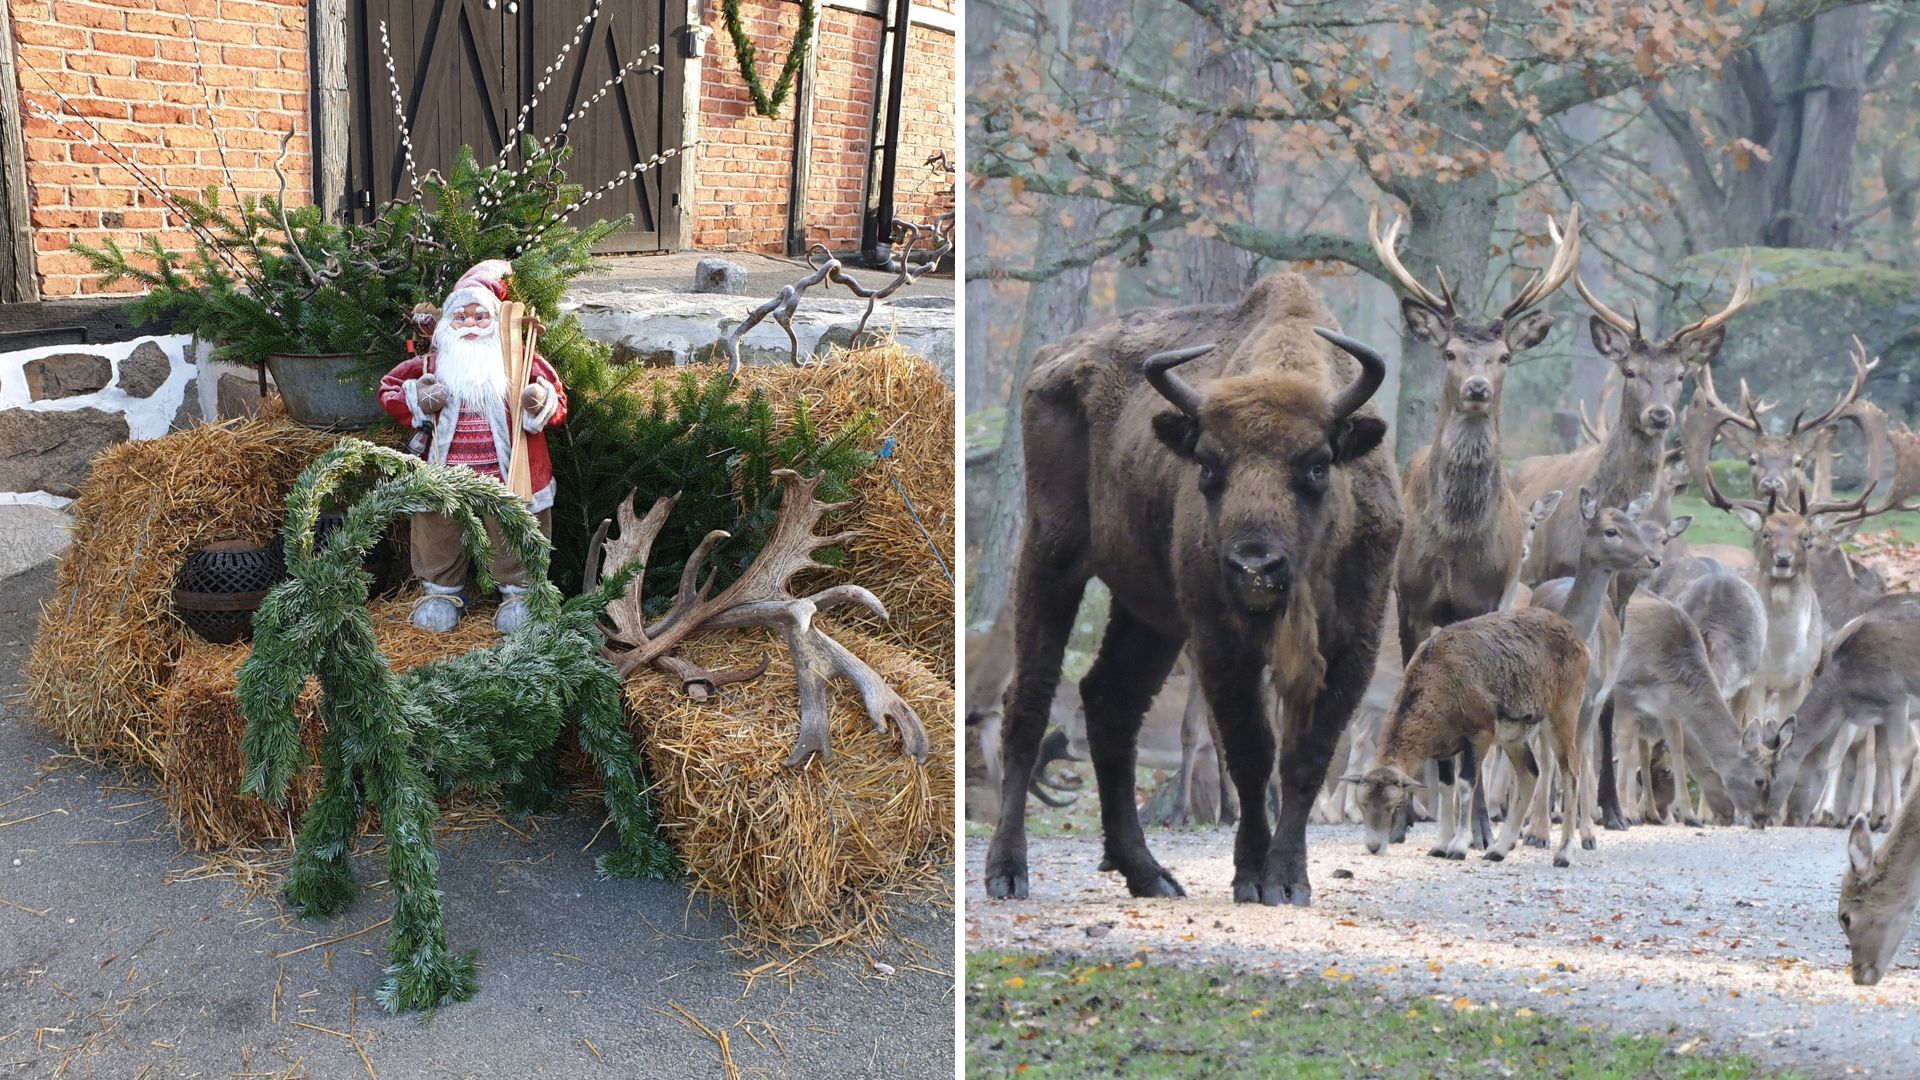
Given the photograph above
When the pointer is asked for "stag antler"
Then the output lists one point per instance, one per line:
(1566, 259)
(1742, 292)
(1441, 302)
(759, 597)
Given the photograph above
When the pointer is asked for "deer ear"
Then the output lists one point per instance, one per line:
(1528, 330)
(1356, 437)
(1702, 348)
(1354, 778)
(1678, 525)
(1751, 519)
(1783, 737)
(1589, 505)
(1639, 505)
(1545, 505)
(1427, 324)
(1860, 847)
(1613, 342)
(1180, 432)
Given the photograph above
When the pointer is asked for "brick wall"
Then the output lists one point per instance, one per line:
(129, 67)
(746, 160)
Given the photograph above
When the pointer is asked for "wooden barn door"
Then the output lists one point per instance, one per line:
(467, 67)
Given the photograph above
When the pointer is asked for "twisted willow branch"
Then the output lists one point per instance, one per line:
(784, 303)
(765, 104)
(490, 719)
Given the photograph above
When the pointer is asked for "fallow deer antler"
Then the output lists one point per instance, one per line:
(759, 597)
(1698, 432)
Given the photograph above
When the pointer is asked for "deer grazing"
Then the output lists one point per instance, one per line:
(1683, 660)
(1879, 893)
(1460, 548)
(1495, 679)
(1250, 511)
(1871, 670)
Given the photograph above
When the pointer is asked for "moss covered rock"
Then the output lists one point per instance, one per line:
(1791, 342)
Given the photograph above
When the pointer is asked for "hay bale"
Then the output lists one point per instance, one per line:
(107, 638)
(199, 726)
(800, 856)
(914, 405)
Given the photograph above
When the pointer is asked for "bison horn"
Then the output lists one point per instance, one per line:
(1159, 369)
(1373, 371)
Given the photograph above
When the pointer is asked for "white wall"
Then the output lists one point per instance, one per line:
(147, 418)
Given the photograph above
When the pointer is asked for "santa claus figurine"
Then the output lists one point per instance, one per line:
(456, 395)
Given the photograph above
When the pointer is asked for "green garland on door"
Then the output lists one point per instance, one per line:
(763, 103)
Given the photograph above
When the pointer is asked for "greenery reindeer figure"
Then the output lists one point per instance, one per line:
(489, 719)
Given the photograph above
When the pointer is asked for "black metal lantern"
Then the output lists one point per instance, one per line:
(221, 585)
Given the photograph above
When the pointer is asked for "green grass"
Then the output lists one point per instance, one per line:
(1712, 526)
(1031, 1016)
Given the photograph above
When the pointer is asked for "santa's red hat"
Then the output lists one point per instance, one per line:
(490, 275)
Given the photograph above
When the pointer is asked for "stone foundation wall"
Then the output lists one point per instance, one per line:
(60, 405)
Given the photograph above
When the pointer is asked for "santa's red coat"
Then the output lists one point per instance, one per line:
(394, 398)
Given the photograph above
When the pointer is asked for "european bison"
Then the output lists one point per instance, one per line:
(1242, 503)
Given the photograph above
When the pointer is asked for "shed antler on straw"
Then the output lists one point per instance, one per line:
(787, 300)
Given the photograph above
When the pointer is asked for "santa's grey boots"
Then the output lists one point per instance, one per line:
(513, 608)
(440, 609)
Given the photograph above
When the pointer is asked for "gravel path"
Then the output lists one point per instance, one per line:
(121, 957)
(1726, 937)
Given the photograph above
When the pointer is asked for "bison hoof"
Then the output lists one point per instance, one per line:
(1613, 819)
(1456, 854)
(1007, 885)
(1587, 843)
(1160, 885)
(1494, 856)
(1106, 865)
(1300, 894)
(1535, 841)
(1561, 860)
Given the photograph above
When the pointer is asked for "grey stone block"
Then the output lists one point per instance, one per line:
(189, 413)
(720, 276)
(51, 451)
(65, 375)
(143, 372)
(238, 396)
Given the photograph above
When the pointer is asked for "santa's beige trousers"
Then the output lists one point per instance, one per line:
(439, 558)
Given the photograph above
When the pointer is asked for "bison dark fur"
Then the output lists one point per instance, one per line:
(1234, 506)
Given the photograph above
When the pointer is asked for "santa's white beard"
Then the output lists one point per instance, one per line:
(472, 370)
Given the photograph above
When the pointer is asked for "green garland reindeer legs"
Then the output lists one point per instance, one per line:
(488, 719)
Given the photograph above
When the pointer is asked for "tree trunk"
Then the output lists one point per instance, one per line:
(1217, 272)
(982, 33)
(1820, 190)
(1055, 308)
(1450, 229)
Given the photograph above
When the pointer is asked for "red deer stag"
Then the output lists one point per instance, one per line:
(1629, 461)
(1461, 547)
(1250, 511)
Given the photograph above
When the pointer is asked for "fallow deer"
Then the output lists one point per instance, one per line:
(1611, 542)
(1879, 893)
(1870, 672)
(1682, 662)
